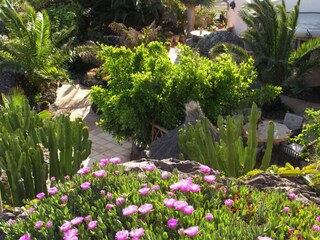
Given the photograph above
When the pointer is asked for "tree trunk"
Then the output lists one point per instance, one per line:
(191, 16)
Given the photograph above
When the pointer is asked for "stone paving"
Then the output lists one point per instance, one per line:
(74, 100)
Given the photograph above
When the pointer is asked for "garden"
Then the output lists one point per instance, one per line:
(206, 176)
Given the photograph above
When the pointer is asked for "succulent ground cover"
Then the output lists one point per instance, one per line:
(105, 202)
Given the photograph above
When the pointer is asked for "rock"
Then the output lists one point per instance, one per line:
(205, 44)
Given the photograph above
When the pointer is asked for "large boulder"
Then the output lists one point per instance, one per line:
(205, 44)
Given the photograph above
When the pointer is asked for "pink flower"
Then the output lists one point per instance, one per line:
(115, 160)
(71, 234)
(49, 224)
(228, 202)
(31, 210)
(316, 228)
(52, 190)
(10, 222)
(137, 233)
(318, 218)
(102, 192)
(116, 172)
(104, 162)
(41, 195)
(87, 218)
(67, 177)
(92, 225)
(194, 188)
(144, 209)
(85, 185)
(169, 202)
(188, 210)
(172, 223)
(99, 173)
(129, 210)
(205, 169)
(144, 191)
(155, 187)
(77, 220)
(150, 167)
(64, 198)
(209, 216)
(170, 194)
(264, 238)
(180, 205)
(25, 237)
(286, 209)
(109, 195)
(191, 231)
(185, 185)
(292, 196)
(38, 224)
(66, 226)
(209, 178)
(109, 206)
(83, 171)
(53, 178)
(122, 235)
(164, 175)
(119, 201)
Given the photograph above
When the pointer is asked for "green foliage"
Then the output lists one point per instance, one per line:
(229, 155)
(238, 53)
(144, 86)
(252, 214)
(29, 48)
(199, 2)
(25, 135)
(311, 133)
(271, 36)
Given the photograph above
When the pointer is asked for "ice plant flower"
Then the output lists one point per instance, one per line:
(137, 233)
(109, 206)
(264, 238)
(129, 210)
(92, 225)
(41, 195)
(164, 175)
(122, 235)
(99, 173)
(185, 185)
(30, 210)
(87, 218)
(53, 178)
(191, 231)
(83, 171)
(64, 198)
(77, 220)
(49, 224)
(155, 187)
(316, 228)
(144, 191)
(205, 169)
(53, 190)
(286, 209)
(119, 201)
(180, 205)
(10, 222)
(66, 226)
(109, 195)
(25, 237)
(172, 223)
(318, 218)
(144, 209)
(85, 185)
(292, 196)
(71, 234)
(169, 202)
(228, 202)
(104, 162)
(150, 167)
(116, 172)
(188, 210)
(38, 224)
(67, 177)
(115, 160)
(209, 178)
(209, 216)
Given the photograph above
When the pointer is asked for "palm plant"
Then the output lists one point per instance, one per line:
(191, 11)
(271, 36)
(30, 49)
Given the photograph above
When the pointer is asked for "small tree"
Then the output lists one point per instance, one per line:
(191, 11)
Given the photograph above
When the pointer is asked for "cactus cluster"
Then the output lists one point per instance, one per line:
(231, 154)
(24, 135)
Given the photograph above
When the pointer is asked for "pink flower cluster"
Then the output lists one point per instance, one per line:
(144, 209)
(134, 234)
(179, 205)
(185, 185)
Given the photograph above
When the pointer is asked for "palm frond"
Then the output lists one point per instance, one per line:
(304, 49)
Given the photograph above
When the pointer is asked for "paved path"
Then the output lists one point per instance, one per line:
(74, 100)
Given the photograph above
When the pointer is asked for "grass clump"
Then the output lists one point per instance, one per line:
(105, 202)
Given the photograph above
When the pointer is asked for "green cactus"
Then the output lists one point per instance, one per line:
(230, 154)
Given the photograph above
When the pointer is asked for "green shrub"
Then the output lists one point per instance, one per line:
(237, 212)
(144, 86)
